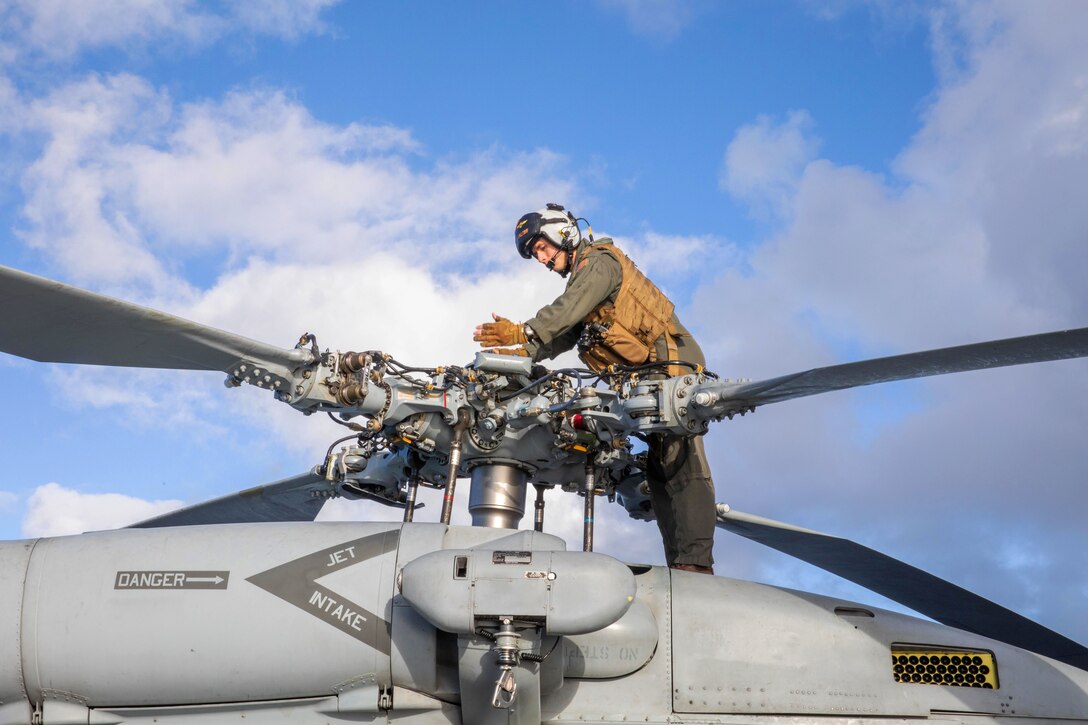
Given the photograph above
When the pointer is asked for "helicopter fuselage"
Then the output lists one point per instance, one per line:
(391, 622)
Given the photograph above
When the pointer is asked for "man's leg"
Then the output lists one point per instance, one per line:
(682, 492)
(659, 497)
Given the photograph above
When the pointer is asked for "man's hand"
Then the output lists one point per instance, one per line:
(509, 351)
(499, 333)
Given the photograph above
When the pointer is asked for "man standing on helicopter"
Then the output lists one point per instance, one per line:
(614, 315)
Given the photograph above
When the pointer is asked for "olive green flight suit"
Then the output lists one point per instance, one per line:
(681, 487)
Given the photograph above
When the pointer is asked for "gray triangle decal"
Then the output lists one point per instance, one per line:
(296, 583)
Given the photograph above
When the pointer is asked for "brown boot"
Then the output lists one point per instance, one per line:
(695, 568)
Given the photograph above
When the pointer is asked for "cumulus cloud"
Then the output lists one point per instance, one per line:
(670, 256)
(1018, 122)
(127, 177)
(53, 510)
(55, 29)
(764, 161)
(974, 235)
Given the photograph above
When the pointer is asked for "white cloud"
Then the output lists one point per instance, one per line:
(56, 29)
(764, 161)
(68, 206)
(677, 263)
(8, 500)
(1010, 140)
(669, 256)
(53, 510)
(979, 235)
(662, 20)
(287, 18)
(59, 29)
(127, 176)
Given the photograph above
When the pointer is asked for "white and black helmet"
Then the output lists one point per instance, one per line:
(554, 223)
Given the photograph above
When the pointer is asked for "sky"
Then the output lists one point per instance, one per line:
(812, 183)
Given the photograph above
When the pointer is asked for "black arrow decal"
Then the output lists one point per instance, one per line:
(296, 583)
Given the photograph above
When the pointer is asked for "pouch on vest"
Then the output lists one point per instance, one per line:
(606, 342)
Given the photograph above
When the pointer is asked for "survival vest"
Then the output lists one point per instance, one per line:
(624, 332)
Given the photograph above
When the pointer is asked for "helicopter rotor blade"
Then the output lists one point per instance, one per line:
(923, 592)
(49, 321)
(718, 399)
(298, 498)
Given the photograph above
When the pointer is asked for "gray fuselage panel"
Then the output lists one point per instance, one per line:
(14, 559)
(746, 648)
(208, 614)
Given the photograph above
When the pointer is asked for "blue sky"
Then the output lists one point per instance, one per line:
(811, 185)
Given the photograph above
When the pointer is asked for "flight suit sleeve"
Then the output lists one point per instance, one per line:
(560, 344)
(557, 326)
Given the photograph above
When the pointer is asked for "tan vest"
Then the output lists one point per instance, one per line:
(624, 332)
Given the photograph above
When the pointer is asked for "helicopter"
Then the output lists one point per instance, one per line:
(244, 608)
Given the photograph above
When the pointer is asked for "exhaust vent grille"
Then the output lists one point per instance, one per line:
(944, 666)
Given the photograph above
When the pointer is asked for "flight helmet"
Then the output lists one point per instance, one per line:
(554, 223)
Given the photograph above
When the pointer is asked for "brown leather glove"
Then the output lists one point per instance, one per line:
(499, 333)
(509, 351)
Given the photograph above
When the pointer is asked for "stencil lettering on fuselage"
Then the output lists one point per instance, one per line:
(296, 583)
(171, 579)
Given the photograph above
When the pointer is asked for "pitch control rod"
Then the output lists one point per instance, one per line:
(455, 463)
(538, 508)
(587, 524)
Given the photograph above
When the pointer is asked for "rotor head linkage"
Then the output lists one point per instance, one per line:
(538, 517)
(410, 498)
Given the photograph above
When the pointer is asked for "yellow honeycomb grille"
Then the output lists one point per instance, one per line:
(949, 667)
